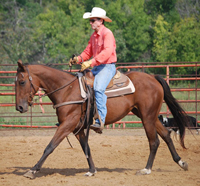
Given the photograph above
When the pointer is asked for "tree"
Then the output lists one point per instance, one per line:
(188, 9)
(162, 45)
(186, 40)
(60, 35)
(181, 44)
(16, 41)
(155, 7)
(50, 31)
(137, 31)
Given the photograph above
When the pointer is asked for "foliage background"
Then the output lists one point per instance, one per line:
(50, 31)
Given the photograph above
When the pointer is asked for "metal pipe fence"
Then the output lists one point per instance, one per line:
(42, 115)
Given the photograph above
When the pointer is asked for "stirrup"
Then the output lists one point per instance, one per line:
(95, 126)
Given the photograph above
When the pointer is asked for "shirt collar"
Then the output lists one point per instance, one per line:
(100, 31)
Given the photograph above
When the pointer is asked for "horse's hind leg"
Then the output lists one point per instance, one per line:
(150, 129)
(165, 135)
(82, 139)
(153, 145)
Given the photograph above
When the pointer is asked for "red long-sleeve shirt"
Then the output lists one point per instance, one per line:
(101, 47)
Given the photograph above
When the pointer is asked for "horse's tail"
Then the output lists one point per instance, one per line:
(176, 110)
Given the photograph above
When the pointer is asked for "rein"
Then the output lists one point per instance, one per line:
(30, 101)
(75, 78)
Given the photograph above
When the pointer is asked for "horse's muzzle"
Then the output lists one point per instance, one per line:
(22, 108)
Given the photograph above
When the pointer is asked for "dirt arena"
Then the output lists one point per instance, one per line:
(117, 154)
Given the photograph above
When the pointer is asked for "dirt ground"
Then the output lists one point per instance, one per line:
(117, 154)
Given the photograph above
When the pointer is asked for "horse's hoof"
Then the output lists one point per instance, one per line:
(143, 172)
(30, 174)
(183, 165)
(90, 173)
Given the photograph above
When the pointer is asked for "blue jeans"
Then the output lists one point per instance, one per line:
(103, 74)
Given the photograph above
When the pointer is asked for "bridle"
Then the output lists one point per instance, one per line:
(30, 100)
(31, 95)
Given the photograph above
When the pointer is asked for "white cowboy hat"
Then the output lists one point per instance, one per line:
(97, 12)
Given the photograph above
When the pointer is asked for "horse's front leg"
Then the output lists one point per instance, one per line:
(60, 134)
(82, 139)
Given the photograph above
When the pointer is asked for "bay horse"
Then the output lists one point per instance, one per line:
(61, 86)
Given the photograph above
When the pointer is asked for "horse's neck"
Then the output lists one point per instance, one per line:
(49, 78)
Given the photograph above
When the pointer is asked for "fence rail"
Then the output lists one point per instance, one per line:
(11, 118)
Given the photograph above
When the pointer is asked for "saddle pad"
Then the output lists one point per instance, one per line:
(129, 89)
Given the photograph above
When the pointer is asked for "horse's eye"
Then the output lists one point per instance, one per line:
(22, 83)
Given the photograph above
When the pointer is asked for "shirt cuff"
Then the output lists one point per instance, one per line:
(80, 60)
(93, 62)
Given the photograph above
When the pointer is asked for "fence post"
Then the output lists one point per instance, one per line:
(196, 93)
(167, 74)
(31, 117)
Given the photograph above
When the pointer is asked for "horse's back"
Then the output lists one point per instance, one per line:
(144, 82)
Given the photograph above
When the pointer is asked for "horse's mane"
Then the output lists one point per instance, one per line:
(50, 66)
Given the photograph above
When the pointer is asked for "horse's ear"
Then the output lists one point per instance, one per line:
(20, 65)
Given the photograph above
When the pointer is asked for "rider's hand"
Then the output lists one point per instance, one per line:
(86, 65)
(73, 61)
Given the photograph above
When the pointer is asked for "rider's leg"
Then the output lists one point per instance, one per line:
(103, 75)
